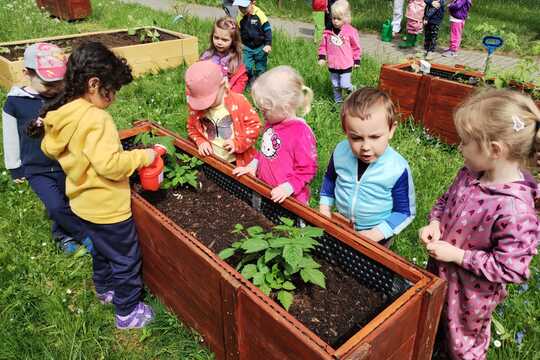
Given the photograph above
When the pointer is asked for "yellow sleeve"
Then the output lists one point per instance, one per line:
(104, 151)
(262, 17)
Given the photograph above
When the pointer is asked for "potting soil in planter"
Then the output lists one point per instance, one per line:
(210, 214)
(111, 40)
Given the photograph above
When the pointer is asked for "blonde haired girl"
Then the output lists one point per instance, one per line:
(225, 50)
(483, 231)
(340, 49)
(287, 160)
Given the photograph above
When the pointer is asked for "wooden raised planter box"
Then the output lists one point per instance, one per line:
(172, 50)
(238, 321)
(431, 99)
(67, 9)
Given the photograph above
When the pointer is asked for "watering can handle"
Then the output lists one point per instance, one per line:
(491, 43)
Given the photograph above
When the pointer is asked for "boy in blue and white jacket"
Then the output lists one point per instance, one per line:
(367, 180)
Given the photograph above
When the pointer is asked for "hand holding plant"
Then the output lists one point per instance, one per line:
(443, 251)
(431, 232)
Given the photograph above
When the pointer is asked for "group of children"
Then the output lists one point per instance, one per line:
(427, 15)
(482, 232)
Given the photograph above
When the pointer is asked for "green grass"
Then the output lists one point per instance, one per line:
(40, 318)
(517, 21)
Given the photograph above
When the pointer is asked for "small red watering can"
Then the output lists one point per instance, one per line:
(152, 175)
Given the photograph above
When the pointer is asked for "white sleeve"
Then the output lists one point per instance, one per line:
(10, 136)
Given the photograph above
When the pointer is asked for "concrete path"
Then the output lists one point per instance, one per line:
(384, 52)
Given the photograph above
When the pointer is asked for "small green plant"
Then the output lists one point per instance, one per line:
(272, 259)
(522, 77)
(145, 34)
(149, 138)
(183, 170)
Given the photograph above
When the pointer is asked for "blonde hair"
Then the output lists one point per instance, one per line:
(281, 90)
(505, 116)
(342, 10)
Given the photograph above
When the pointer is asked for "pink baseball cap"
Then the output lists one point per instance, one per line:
(47, 60)
(203, 81)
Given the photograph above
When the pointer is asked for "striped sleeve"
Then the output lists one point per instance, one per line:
(404, 206)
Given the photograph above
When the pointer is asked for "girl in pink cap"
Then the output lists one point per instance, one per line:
(44, 69)
(483, 231)
(287, 160)
(220, 122)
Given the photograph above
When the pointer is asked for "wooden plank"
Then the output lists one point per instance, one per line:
(229, 289)
(391, 335)
(432, 303)
(402, 86)
(280, 340)
(423, 101)
(142, 58)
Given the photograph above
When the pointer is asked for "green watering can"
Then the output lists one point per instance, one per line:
(386, 31)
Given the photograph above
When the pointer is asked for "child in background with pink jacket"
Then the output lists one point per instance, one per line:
(340, 49)
(287, 160)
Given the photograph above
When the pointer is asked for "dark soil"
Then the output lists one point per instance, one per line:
(334, 313)
(110, 40)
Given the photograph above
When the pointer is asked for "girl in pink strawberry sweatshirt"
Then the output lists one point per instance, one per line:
(340, 49)
(287, 160)
(483, 231)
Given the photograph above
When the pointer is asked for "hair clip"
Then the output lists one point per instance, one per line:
(518, 123)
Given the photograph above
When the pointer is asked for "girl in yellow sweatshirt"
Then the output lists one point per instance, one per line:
(82, 136)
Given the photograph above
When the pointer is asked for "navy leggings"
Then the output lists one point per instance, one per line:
(51, 189)
(117, 262)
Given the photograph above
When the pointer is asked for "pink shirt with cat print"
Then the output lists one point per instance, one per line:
(343, 50)
(288, 154)
(498, 228)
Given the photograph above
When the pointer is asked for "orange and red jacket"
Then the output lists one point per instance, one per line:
(246, 126)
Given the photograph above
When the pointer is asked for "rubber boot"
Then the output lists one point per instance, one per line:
(409, 42)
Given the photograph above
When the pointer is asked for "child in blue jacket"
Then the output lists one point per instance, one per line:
(368, 181)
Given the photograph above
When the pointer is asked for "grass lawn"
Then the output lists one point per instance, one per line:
(47, 305)
(517, 21)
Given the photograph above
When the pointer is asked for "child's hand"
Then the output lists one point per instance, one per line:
(443, 251)
(267, 49)
(322, 62)
(151, 153)
(205, 149)
(325, 210)
(281, 192)
(436, 4)
(19, 180)
(372, 234)
(242, 170)
(229, 146)
(431, 232)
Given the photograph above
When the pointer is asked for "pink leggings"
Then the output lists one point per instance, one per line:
(456, 30)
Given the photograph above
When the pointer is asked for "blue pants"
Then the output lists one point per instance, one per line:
(51, 190)
(117, 262)
(339, 82)
(256, 61)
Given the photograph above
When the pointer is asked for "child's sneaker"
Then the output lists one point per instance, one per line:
(87, 243)
(138, 318)
(449, 53)
(67, 244)
(106, 297)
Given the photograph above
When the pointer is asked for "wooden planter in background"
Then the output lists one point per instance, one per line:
(238, 321)
(430, 98)
(142, 58)
(67, 9)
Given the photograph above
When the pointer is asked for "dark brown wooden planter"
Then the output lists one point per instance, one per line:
(238, 321)
(67, 9)
(431, 99)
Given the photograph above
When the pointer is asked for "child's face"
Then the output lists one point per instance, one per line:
(45, 89)
(337, 21)
(246, 9)
(369, 137)
(222, 40)
(474, 156)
